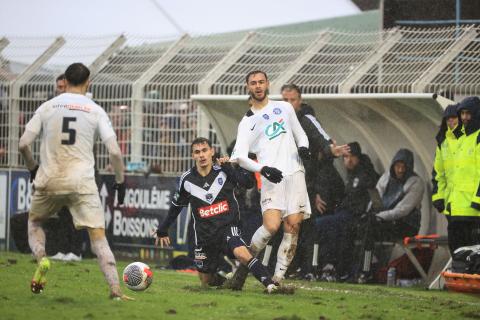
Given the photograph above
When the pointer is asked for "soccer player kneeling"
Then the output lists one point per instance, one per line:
(209, 189)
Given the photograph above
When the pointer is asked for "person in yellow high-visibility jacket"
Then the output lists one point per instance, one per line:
(447, 144)
(456, 176)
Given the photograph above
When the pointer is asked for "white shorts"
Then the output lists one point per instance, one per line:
(289, 196)
(86, 209)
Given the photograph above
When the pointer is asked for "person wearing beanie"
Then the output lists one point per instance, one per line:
(447, 144)
(456, 174)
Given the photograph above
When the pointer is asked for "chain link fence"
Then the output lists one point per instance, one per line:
(145, 84)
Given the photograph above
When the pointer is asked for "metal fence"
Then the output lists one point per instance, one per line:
(145, 84)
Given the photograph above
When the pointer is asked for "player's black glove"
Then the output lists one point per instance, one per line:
(161, 232)
(439, 205)
(33, 173)
(304, 153)
(227, 167)
(121, 189)
(272, 174)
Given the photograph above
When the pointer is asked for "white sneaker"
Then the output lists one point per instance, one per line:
(279, 289)
(271, 288)
(72, 257)
(58, 256)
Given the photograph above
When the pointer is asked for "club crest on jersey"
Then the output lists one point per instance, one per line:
(265, 116)
(220, 181)
(277, 111)
(209, 196)
(176, 196)
(275, 129)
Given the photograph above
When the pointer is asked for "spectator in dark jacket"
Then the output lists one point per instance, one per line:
(319, 169)
(337, 231)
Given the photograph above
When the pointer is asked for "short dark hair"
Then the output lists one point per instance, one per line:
(77, 74)
(255, 72)
(60, 77)
(290, 87)
(355, 149)
(200, 140)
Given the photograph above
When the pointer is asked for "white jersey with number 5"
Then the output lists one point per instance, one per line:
(69, 125)
(273, 133)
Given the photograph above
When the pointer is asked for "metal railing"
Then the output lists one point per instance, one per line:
(145, 84)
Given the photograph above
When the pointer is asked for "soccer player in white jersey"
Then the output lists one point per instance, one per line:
(270, 129)
(68, 125)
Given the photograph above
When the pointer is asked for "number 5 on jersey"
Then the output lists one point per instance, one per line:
(72, 134)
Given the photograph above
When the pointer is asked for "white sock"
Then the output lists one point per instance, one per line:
(36, 239)
(285, 254)
(107, 263)
(259, 240)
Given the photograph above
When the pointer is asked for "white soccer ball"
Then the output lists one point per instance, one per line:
(137, 276)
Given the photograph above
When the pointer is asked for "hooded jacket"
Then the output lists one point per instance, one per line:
(401, 198)
(463, 201)
(444, 165)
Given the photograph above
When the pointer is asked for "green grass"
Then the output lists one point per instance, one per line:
(78, 291)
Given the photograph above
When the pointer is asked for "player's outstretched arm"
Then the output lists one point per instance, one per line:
(242, 147)
(236, 173)
(162, 231)
(338, 151)
(116, 158)
(240, 155)
(117, 163)
(24, 147)
(32, 130)
(272, 174)
(298, 133)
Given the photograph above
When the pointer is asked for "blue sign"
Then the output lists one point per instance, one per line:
(3, 205)
(20, 191)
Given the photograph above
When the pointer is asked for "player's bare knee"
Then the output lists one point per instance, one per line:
(272, 225)
(292, 227)
(292, 223)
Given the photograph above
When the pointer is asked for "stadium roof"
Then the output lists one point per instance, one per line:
(365, 21)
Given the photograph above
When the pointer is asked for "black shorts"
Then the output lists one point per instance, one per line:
(209, 255)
